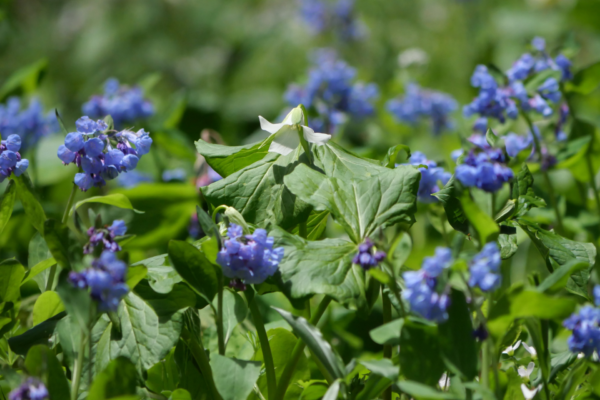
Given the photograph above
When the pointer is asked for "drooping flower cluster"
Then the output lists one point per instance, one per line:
(31, 124)
(483, 167)
(585, 325)
(339, 18)
(367, 257)
(101, 154)
(332, 92)
(431, 175)
(10, 158)
(250, 258)
(31, 389)
(485, 268)
(124, 104)
(105, 237)
(423, 104)
(423, 291)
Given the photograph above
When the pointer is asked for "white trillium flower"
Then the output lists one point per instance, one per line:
(526, 372)
(530, 350)
(295, 118)
(530, 393)
(510, 350)
(443, 382)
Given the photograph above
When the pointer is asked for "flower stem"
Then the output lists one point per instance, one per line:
(216, 211)
(199, 355)
(387, 349)
(220, 334)
(286, 375)
(590, 167)
(69, 204)
(265, 347)
(78, 367)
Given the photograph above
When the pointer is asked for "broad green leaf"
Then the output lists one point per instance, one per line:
(7, 203)
(574, 155)
(333, 391)
(134, 275)
(77, 302)
(315, 225)
(487, 229)
(164, 375)
(38, 269)
(234, 311)
(421, 355)
(313, 339)
(38, 252)
(69, 335)
(226, 160)
(190, 377)
(360, 206)
(388, 333)
(11, 275)
(42, 363)
(320, 267)
(46, 307)
(194, 267)
(234, 379)
(39, 334)
(207, 224)
(115, 199)
(145, 338)
(166, 304)
(423, 392)
(180, 394)
(384, 367)
(258, 192)
(56, 237)
(314, 390)
(522, 193)
(508, 245)
(400, 251)
(119, 378)
(33, 208)
(448, 196)
(559, 278)
(586, 80)
(25, 79)
(389, 161)
(340, 163)
(161, 276)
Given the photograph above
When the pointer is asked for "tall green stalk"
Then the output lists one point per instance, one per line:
(78, 367)
(265, 347)
(387, 348)
(219, 319)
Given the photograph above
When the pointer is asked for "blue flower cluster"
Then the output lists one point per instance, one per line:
(484, 168)
(485, 268)
(420, 103)
(422, 291)
(586, 331)
(100, 154)
(332, 92)
(431, 174)
(30, 123)
(10, 158)
(250, 258)
(366, 257)
(338, 18)
(500, 102)
(124, 104)
(105, 237)
(31, 389)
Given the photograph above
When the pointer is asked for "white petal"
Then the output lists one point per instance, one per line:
(530, 349)
(530, 368)
(279, 148)
(522, 372)
(269, 127)
(529, 394)
(314, 137)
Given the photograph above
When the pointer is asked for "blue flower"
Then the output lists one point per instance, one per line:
(485, 168)
(550, 90)
(104, 238)
(250, 258)
(596, 293)
(31, 389)
(516, 143)
(586, 332)
(539, 43)
(122, 103)
(419, 104)
(338, 18)
(485, 268)
(563, 114)
(564, 65)
(366, 257)
(177, 175)
(10, 158)
(30, 124)
(431, 174)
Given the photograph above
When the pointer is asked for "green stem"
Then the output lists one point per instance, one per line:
(593, 182)
(69, 204)
(78, 367)
(288, 371)
(387, 349)
(216, 211)
(485, 366)
(265, 347)
(220, 334)
(199, 354)
(51, 275)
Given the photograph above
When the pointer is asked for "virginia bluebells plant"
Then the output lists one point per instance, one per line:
(102, 155)
(418, 104)
(367, 257)
(332, 93)
(10, 158)
(586, 331)
(30, 124)
(339, 18)
(104, 238)
(422, 291)
(485, 268)
(124, 104)
(31, 389)
(431, 175)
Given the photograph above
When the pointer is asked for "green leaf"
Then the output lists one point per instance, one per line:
(384, 367)
(42, 363)
(180, 394)
(234, 379)
(115, 199)
(39, 252)
(195, 268)
(314, 390)
(389, 161)
(145, 338)
(448, 196)
(586, 80)
(207, 224)
(522, 193)
(227, 160)
(400, 251)
(508, 245)
(420, 358)
(320, 267)
(315, 225)
(46, 307)
(340, 163)
(11, 275)
(39, 334)
(559, 278)
(360, 206)
(234, 311)
(25, 79)
(491, 138)
(487, 229)
(190, 377)
(534, 327)
(33, 208)
(56, 237)
(313, 339)
(119, 378)
(161, 276)
(7, 203)
(573, 380)
(134, 275)
(77, 302)
(333, 391)
(423, 392)
(164, 375)
(388, 333)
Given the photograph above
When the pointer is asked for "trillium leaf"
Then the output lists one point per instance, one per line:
(360, 206)
(234, 379)
(340, 163)
(42, 363)
(7, 203)
(33, 209)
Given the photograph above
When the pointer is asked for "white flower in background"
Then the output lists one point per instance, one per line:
(295, 118)
(444, 382)
(530, 350)
(530, 393)
(526, 372)
(510, 350)
(412, 56)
